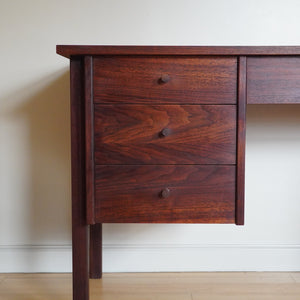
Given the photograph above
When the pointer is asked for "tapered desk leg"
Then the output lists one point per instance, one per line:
(96, 251)
(79, 224)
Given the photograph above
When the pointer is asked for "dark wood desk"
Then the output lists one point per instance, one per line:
(158, 135)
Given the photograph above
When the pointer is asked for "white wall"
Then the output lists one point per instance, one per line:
(35, 142)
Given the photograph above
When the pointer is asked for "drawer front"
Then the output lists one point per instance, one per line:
(165, 134)
(146, 79)
(273, 80)
(165, 194)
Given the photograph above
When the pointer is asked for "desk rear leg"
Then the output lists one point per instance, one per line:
(96, 251)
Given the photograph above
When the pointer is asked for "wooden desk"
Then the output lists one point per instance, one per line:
(158, 135)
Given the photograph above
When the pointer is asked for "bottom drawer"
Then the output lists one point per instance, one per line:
(165, 194)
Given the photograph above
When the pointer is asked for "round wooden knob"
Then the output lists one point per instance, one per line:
(164, 78)
(165, 193)
(165, 132)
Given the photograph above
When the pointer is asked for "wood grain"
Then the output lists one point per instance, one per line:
(131, 134)
(79, 224)
(89, 139)
(75, 50)
(136, 79)
(273, 80)
(158, 286)
(241, 141)
(198, 194)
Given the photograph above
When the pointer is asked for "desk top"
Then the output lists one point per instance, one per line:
(78, 50)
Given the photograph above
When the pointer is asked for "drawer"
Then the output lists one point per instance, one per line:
(273, 80)
(165, 134)
(165, 194)
(155, 80)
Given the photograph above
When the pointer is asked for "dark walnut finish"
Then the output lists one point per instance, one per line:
(96, 251)
(75, 50)
(158, 135)
(157, 80)
(165, 134)
(273, 80)
(89, 138)
(241, 140)
(197, 194)
(79, 223)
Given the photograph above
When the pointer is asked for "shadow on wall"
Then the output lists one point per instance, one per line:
(274, 128)
(272, 171)
(44, 108)
(285, 118)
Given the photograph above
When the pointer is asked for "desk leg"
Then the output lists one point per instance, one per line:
(79, 223)
(96, 251)
(80, 261)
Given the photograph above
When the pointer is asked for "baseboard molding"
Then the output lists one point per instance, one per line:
(157, 258)
(35, 258)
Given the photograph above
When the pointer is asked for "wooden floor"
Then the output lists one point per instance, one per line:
(156, 286)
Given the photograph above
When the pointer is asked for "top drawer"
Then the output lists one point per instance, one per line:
(164, 79)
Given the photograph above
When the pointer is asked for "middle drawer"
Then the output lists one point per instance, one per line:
(165, 134)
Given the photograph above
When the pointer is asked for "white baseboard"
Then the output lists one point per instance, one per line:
(157, 258)
(35, 258)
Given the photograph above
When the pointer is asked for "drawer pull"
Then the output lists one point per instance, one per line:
(165, 132)
(164, 78)
(165, 193)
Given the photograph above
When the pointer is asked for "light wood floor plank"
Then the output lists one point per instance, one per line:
(157, 286)
(36, 287)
